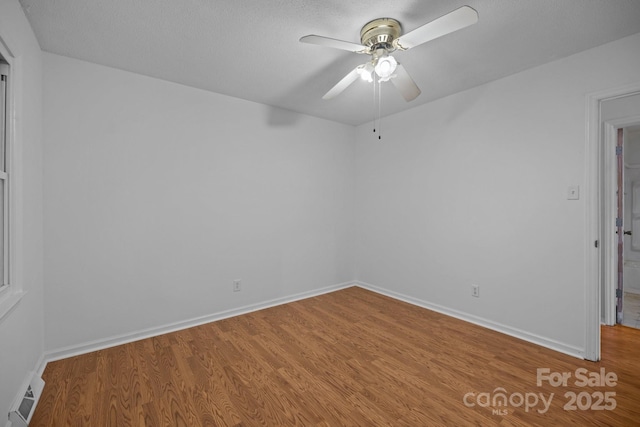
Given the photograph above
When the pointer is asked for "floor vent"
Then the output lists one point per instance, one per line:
(25, 405)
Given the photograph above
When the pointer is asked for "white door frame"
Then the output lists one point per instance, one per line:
(597, 176)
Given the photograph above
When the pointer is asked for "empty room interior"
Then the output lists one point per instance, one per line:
(325, 213)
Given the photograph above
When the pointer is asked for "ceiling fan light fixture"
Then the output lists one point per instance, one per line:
(385, 67)
(366, 72)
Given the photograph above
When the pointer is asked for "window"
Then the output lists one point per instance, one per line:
(10, 294)
(4, 177)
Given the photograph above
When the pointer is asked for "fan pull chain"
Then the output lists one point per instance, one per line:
(374, 106)
(379, 110)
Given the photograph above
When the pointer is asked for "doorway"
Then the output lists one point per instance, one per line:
(628, 296)
(621, 170)
(607, 111)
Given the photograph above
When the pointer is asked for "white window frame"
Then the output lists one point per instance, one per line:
(11, 291)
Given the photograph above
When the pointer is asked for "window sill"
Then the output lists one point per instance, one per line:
(7, 304)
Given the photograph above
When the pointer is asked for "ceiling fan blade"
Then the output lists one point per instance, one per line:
(405, 84)
(342, 84)
(335, 43)
(454, 21)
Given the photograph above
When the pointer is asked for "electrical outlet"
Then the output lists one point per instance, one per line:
(236, 285)
(475, 291)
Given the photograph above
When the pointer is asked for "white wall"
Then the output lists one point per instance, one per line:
(632, 145)
(472, 189)
(158, 196)
(631, 174)
(620, 108)
(21, 331)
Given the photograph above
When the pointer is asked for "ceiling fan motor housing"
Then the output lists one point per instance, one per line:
(380, 34)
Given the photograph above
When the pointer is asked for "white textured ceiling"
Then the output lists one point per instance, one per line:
(249, 48)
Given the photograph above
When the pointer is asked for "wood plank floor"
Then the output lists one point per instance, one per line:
(348, 358)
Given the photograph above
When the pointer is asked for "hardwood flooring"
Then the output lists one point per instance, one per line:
(348, 358)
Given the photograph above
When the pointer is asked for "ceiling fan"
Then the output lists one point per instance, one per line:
(380, 37)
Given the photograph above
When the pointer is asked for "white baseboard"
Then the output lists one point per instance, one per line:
(498, 327)
(40, 365)
(632, 291)
(75, 350)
